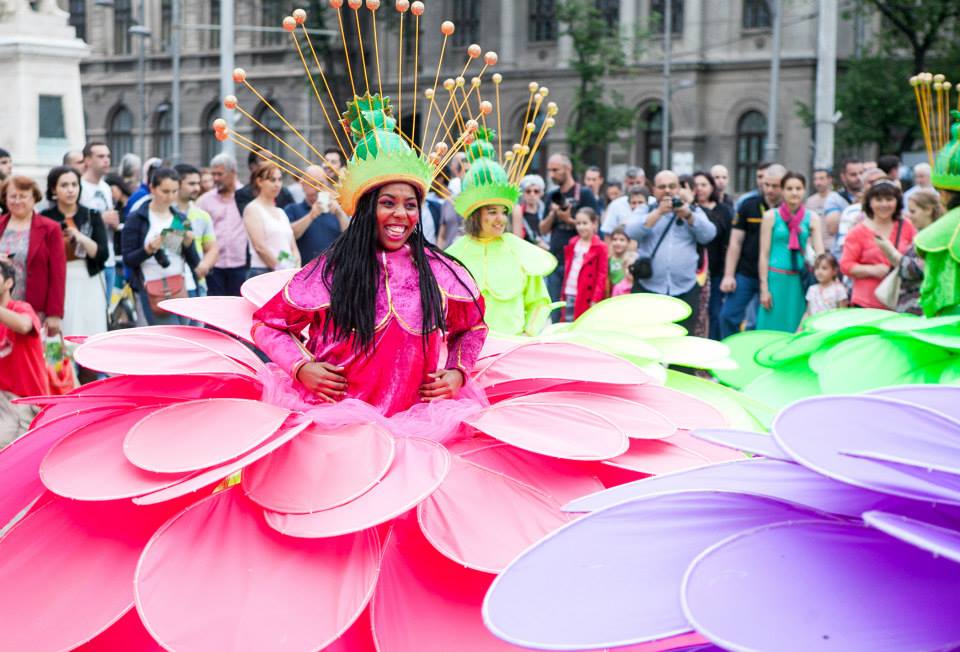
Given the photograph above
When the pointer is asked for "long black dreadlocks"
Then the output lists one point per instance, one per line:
(352, 277)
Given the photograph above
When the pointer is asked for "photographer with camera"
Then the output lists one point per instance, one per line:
(157, 247)
(667, 236)
(559, 223)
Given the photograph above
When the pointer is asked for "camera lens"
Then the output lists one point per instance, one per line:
(162, 258)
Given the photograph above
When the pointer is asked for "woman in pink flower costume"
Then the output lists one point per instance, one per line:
(358, 493)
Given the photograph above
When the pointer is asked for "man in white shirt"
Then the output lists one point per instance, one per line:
(95, 194)
(619, 211)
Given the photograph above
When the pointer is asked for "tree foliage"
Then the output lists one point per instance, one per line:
(598, 115)
(872, 91)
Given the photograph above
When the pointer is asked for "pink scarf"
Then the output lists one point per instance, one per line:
(793, 220)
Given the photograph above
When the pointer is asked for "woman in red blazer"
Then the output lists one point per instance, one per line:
(586, 269)
(34, 244)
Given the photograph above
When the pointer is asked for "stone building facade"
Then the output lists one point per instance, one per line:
(721, 56)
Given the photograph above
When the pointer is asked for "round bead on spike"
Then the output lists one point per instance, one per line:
(336, 4)
(354, 4)
(300, 16)
(417, 8)
(289, 23)
(239, 75)
(491, 58)
(447, 28)
(497, 78)
(474, 51)
(486, 107)
(403, 6)
(230, 101)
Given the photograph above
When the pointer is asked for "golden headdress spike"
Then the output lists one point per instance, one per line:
(497, 80)
(447, 28)
(933, 96)
(338, 5)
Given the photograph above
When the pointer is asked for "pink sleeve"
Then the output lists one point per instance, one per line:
(466, 334)
(851, 251)
(276, 330)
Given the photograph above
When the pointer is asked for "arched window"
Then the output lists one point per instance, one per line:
(273, 122)
(209, 144)
(650, 139)
(751, 137)
(120, 132)
(756, 14)
(163, 132)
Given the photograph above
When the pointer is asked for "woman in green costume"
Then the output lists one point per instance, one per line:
(509, 270)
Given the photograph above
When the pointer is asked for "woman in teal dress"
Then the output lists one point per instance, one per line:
(784, 235)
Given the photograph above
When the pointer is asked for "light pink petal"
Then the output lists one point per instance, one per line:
(127, 634)
(260, 289)
(321, 469)
(570, 432)
(208, 477)
(426, 603)
(561, 480)
(67, 571)
(515, 388)
(173, 388)
(217, 578)
(635, 419)
(684, 410)
(199, 434)
(20, 461)
(658, 456)
(231, 314)
(483, 519)
(212, 339)
(494, 346)
(138, 351)
(713, 452)
(88, 464)
(560, 361)
(418, 468)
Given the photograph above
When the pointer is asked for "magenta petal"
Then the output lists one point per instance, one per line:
(763, 477)
(613, 577)
(755, 443)
(20, 461)
(89, 464)
(231, 314)
(173, 388)
(137, 351)
(67, 571)
(879, 425)
(561, 480)
(571, 433)
(128, 633)
(321, 469)
(559, 361)
(810, 586)
(217, 578)
(199, 434)
(427, 603)
(941, 541)
(483, 519)
(418, 468)
(214, 475)
(942, 398)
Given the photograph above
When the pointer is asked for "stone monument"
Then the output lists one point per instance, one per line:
(40, 85)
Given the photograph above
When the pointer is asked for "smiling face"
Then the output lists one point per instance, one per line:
(586, 227)
(493, 221)
(398, 211)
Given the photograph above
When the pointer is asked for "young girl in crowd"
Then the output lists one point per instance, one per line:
(625, 286)
(619, 243)
(585, 279)
(829, 292)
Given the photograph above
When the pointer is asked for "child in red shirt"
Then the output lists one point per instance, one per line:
(587, 267)
(23, 370)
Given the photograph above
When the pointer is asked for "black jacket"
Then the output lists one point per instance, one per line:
(135, 229)
(90, 224)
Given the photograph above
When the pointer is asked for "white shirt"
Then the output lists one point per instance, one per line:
(278, 234)
(579, 251)
(99, 197)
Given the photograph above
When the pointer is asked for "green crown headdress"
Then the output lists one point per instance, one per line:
(941, 128)
(370, 135)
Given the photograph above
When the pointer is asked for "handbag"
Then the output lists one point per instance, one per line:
(161, 289)
(807, 278)
(888, 292)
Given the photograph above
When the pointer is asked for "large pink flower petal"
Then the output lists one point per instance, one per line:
(231, 314)
(138, 351)
(209, 477)
(687, 412)
(126, 635)
(260, 289)
(426, 603)
(359, 638)
(713, 452)
(482, 519)
(89, 464)
(569, 432)
(217, 578)
(658, 456)
(562, 480)
(321, 469)
(199, 434)
(560, 361)
(174, 388)
(67, 571)
(20, 461)
(418, 468)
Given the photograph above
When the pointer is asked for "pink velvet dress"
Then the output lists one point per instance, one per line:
(389, 375)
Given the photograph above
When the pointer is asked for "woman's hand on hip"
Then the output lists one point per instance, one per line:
(323, 379)
(445, 384)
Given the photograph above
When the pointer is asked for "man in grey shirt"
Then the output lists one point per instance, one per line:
(669, 235)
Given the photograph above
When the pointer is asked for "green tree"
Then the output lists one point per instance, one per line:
(872, 91)
(598, 116)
